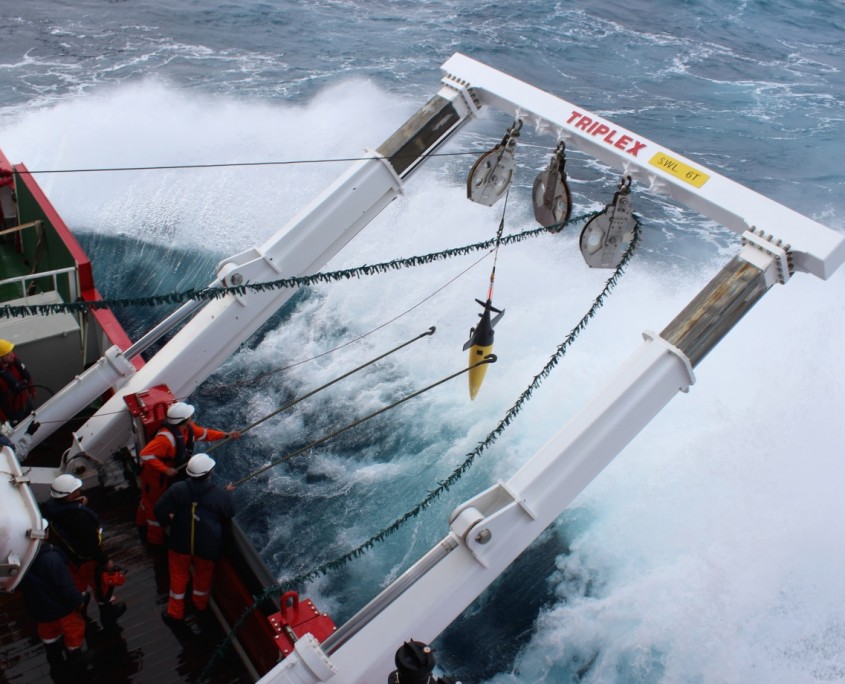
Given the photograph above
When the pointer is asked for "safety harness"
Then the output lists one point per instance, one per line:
(184, 447)
(195, 504)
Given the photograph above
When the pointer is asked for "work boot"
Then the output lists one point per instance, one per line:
(110, 611)
(193, 627)
(78, 661)
(181, 627)
(55, 657)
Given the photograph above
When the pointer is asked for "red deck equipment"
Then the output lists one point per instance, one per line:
(295, 619)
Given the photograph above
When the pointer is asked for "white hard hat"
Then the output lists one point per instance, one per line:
(64, 485)
(200, 465)
(180, 411)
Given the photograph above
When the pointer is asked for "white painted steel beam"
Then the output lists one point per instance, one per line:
(817, 249)
(490, 530)
(330, 221)
(108, 372)
(302, 247)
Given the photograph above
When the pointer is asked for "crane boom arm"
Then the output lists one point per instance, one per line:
(302, 247)
(309, 240)
(815, 248)
(489, 531)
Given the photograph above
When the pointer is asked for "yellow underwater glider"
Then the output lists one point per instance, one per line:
(480, 344)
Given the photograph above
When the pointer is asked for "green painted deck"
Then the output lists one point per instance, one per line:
(12, 265)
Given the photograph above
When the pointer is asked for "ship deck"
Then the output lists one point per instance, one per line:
(141, 649)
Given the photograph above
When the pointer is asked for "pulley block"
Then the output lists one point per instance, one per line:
(552, 199)
(491, 175)
(606, 236)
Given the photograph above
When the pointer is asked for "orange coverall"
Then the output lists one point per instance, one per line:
(156, 457)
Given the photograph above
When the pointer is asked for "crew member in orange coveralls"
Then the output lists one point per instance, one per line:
(198, 513)
(162, 458)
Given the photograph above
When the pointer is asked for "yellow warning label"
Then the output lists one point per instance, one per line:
(679, 169)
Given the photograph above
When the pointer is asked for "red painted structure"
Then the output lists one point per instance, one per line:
(297, 618)
(149, 409)
(106, 320)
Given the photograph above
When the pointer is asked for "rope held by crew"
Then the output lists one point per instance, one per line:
(305, 396)
(490, 358)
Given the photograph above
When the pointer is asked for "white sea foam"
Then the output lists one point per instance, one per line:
(153, 124)
(706, 552)
(712, 544)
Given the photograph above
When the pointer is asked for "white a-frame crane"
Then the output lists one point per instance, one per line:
(490, 530)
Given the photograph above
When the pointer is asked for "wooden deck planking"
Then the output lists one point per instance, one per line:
(141, 649)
